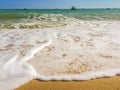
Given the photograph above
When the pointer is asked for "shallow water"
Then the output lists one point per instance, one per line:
(62, 48)
(44, 18)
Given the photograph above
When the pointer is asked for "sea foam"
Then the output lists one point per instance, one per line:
(83, 50)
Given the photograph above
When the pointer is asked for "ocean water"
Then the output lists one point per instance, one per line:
(58, 44)
(42, 18)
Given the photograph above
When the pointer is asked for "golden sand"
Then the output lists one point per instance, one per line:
(96, 84)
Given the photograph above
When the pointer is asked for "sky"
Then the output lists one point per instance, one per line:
(51, 4)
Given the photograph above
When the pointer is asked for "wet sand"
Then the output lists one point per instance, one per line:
(96, 84)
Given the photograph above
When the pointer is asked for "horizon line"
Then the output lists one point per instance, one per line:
(65, 8)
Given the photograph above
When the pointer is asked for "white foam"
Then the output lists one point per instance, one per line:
(82, 51)
(16, 47)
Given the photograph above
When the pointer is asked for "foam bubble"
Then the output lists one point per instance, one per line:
(86, 50)
(16, 47)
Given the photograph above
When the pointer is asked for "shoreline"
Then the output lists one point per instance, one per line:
(95, 84)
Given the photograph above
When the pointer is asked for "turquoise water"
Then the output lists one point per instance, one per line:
(83, 14)
(58, 45)
(52, 17)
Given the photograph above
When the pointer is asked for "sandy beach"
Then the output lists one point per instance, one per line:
(96, 84)
(65, 49)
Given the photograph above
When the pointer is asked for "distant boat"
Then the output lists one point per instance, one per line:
(24, 9)
(73, 8)
(107, 8)
(17, 9)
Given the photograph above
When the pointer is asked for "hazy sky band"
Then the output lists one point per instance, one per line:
(13, 4)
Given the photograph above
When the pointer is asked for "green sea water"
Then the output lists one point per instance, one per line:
(58, 44)
(50, 17)
(83, 14)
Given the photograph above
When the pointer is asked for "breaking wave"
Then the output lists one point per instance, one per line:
(33, 21)
(57, 47)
